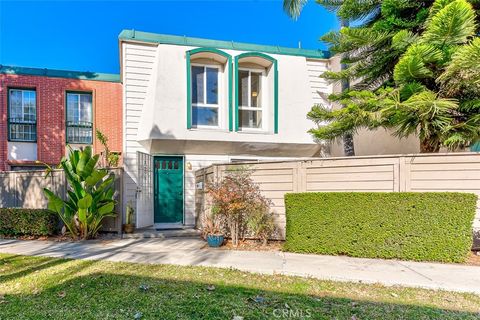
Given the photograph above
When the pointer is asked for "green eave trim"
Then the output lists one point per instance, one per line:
(87, 75)
(189, 55)
(231, 45)
(275, 86)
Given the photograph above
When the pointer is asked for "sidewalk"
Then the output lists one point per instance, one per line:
(184, 251)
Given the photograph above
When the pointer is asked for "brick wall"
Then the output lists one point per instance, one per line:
(50, 92)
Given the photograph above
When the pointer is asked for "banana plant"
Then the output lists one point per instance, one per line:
(90, 194)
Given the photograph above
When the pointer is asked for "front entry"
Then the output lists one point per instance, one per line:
(168, 190)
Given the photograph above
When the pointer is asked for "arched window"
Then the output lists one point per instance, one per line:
(209, 88)
(256, 93)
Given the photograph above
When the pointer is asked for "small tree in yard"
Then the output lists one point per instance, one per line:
(236, 198)
(111, 158)
(90, 194)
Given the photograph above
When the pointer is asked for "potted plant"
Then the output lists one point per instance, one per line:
(129, 226)
(211, 230)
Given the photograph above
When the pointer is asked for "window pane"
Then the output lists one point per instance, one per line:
(15, 98)
(212, 86)
(243, 88)
(202, 116)
(85, 108)
(72, 107)
(197, 85)
(15, 105)
(255, 87)
(250, 119)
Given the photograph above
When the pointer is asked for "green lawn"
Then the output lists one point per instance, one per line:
(48, 288)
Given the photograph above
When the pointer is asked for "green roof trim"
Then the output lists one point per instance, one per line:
(219, 44)
(80, 75)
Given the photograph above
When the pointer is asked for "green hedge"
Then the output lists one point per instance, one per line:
(433, 226)
(33, 222)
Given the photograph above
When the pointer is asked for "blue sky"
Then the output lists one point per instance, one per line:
(82, 35)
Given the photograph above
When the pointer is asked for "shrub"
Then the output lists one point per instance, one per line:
(410, 226)
(234, 198)
(32, 222)
(261, 224)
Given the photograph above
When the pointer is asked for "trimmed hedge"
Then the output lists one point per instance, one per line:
(433, 226)
(32, 222)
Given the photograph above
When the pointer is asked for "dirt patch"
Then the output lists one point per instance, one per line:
(61, 238)
(473, 259)
(253, 245)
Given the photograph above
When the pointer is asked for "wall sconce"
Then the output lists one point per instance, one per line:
(188, 166)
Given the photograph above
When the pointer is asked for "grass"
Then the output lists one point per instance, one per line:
(49, 288)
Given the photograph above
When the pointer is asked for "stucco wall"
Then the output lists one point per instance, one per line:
(376, 142)
(155, 119)
(164, 114)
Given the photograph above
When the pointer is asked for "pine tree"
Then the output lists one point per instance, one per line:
(415, 67)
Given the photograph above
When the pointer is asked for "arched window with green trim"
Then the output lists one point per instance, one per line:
(209, 89)
(256, 93)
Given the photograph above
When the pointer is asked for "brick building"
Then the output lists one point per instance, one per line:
(43, 110)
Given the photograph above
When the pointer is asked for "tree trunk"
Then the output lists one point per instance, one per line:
(348, 147)
(234, 233)
(429, 147)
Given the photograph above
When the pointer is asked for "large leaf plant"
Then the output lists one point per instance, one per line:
(90, 194)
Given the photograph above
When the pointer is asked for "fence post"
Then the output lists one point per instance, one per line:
(15, 187)
(302, 176)
(399, 174)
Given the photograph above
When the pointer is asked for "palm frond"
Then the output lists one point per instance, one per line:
(293, 8)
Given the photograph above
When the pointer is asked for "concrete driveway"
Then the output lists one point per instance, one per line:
(193, 251)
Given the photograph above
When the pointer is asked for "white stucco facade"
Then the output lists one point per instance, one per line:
(156, 83)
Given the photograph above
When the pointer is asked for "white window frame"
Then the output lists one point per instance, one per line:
(22, 121)
(263, 100)
(217, 106)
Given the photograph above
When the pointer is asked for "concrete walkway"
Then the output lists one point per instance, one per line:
(183, 251)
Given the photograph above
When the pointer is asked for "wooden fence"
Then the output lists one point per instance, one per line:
(459, 172)
(24, 189)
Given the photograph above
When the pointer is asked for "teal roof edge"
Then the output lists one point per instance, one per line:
(80, 75)
(199, 42)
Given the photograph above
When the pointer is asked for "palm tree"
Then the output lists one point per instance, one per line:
(293, 7)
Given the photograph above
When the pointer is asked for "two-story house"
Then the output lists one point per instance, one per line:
(191, 102)
(44, 110)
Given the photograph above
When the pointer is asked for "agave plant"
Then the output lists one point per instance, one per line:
(90, 194)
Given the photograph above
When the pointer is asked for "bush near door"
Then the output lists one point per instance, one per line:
(31, 222)
(410, 226)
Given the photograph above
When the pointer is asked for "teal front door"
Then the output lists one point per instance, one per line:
(168, 189)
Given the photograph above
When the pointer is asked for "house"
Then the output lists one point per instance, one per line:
(178, 105)
(191, 102)
(43, 110)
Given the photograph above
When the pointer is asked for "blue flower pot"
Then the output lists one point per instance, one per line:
(214, 240)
